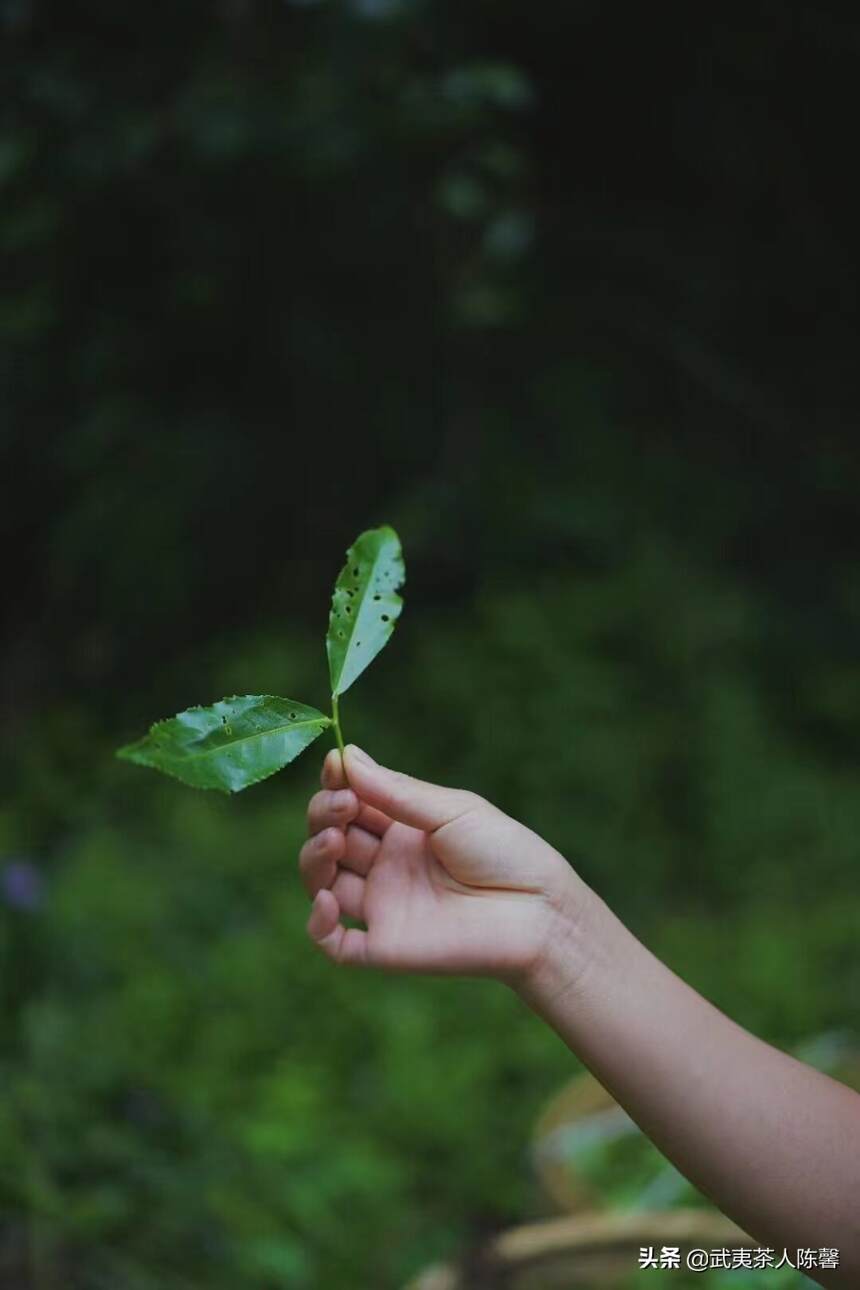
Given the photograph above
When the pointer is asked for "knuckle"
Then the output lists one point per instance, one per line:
(472, 801)
(344, 802)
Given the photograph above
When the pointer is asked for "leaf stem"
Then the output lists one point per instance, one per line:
(335, 716)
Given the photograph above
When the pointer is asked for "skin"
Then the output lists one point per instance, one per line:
(444, 882)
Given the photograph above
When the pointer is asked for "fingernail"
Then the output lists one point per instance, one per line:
(360, 755)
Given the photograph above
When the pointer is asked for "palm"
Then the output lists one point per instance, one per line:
(418, 916)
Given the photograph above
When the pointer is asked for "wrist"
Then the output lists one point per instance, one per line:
(580, 930)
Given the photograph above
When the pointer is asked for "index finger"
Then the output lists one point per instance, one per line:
(333, 774)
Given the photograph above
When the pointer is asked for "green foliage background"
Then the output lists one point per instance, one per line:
(570, 299)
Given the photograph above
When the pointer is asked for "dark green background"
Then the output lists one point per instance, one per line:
(568, 294)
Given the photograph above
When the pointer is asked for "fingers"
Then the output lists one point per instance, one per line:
(318, 859)
(360, 851)
(332, 778)
(346, 820)
(339, 943)
(332, 774)
(401, 797)
(336, 891)
(322, 855)
(373, 820)
(331, 808)
(348, 888)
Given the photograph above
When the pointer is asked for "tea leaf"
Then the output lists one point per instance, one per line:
(365, 605)
(230, 745)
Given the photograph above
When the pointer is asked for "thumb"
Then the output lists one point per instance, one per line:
(411, 801)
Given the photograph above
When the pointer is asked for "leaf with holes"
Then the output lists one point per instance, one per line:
(237, 742)
(365, 605)
(230, 745)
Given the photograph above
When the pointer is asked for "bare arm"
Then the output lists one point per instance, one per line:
(445, 882)
(773, 1142)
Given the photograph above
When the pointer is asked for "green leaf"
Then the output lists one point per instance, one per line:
(364, 606)
(230, 745)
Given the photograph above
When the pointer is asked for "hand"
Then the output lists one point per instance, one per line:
(443, 881)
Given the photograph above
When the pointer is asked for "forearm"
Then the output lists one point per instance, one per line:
(774, 1143)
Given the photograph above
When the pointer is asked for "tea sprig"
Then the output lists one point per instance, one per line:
(238, 741)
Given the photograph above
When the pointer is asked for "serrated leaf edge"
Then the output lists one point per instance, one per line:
(140, 758)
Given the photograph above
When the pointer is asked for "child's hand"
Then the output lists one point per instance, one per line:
(443, 881)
